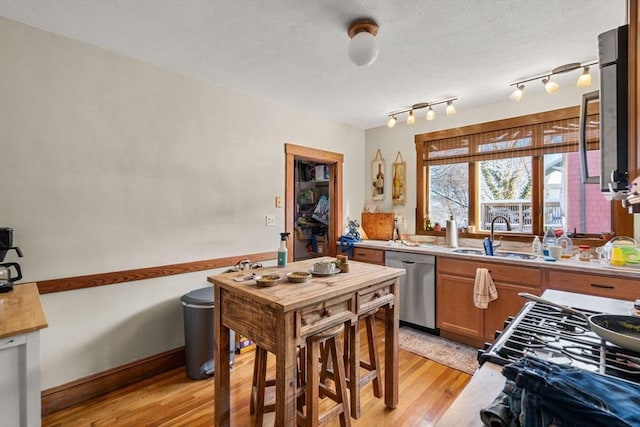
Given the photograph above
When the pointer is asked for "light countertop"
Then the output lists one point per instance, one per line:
(572, 264)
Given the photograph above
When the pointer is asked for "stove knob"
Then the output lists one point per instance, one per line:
(496, 334)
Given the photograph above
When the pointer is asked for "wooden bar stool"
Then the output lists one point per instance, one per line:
(314, 388)
(260, 383)
(321, 354)
(259, 386)
(355, 380)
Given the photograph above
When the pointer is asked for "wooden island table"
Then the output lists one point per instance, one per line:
(281, 317)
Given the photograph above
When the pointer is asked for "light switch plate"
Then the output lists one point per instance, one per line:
(270, 220)
(278, 202)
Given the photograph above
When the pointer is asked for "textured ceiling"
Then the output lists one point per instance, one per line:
(294, 52)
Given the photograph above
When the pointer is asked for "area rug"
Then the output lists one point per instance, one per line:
(446, 352)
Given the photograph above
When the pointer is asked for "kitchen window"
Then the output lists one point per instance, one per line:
(525, 168)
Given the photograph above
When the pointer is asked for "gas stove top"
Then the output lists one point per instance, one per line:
(543, 331)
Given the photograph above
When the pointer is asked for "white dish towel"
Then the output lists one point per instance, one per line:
(484, 290)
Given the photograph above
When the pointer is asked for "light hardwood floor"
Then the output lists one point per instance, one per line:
(426, 390)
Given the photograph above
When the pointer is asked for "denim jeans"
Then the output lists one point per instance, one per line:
(548, 394)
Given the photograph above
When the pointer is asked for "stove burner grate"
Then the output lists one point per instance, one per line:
(545, 332)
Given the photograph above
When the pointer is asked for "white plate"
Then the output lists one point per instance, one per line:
(317, 273)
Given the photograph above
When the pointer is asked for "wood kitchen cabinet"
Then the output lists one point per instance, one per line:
(593, 284)
(456, 315)
(372, 256)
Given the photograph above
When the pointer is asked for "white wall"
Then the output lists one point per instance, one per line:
(401, 137)
(109, 163)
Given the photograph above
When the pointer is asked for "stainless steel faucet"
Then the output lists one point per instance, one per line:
(492, 222)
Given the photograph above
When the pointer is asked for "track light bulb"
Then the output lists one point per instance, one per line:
(516, 95)
(451, 110)
(391, 122)
(585, 78)
(411, 119)
(550, 86)
(431, 114)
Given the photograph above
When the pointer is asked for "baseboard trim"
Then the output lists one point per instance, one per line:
(83, 389)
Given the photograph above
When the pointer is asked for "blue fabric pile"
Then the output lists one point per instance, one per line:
(539, 393)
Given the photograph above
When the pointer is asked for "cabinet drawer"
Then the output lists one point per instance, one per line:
(373, 256)
(326, 314)
(8, 342)
(527, 276)
(370, 299)
(594, 284)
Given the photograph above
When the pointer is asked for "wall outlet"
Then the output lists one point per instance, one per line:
(270, 220)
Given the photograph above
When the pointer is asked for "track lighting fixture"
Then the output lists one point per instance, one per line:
(392, 121)
(363, 47)
(551, 86)
(431, 114)
(585, 78)
(516, 95)
(451, 110)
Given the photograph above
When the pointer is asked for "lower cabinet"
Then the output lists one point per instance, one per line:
(594, 284)
(455, 310)
(372, 256)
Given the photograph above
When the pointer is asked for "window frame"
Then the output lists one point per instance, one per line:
(621, 221)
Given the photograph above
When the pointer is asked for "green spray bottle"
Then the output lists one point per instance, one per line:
(282, 250)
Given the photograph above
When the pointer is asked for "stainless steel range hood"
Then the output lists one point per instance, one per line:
(613, 56)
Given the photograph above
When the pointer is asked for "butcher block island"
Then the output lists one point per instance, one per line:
(21, 318)
(279, 318)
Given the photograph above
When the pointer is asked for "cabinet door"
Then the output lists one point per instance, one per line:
(455, 310)
(507, 304)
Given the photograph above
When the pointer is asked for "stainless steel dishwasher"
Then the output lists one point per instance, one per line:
(417, 287)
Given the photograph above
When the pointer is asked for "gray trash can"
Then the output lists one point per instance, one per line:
(198, 333)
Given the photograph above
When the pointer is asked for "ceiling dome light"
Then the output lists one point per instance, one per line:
(550, 86)
(516, 95)
(585, 78)
(411, 119)
(431, 114)
(451, 110)
(363, 47)
(392, 121)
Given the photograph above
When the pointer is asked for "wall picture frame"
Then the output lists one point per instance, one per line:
(399, 181)
(377, 177)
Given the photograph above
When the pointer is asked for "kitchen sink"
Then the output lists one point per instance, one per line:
(469, 251)
(515, 255)
(501, 254)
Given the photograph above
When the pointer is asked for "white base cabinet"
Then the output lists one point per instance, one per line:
(20, 380)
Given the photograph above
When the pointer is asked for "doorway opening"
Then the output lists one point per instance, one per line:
(313, 201)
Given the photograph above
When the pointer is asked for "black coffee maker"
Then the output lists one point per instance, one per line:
(6, 276)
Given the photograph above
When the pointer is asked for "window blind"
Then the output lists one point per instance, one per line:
(554, 136)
